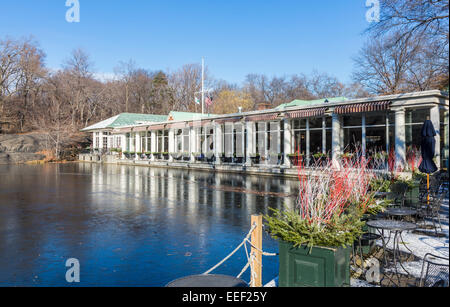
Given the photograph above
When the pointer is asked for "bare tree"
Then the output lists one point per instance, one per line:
(408, 49)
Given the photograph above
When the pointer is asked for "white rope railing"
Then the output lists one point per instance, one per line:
(232, 253)
(251, 257)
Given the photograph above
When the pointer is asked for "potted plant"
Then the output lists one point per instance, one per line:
(186, 156)
(295, 158)
(319, 159)
(157, 155)
(209, 156)
(347, 157)
(198, 156)
(315, 239)
(165, 155)
(176, 155)
(238, 158)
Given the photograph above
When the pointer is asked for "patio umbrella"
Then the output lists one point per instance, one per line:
(428, 146)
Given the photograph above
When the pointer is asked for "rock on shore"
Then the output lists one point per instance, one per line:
(21, 148)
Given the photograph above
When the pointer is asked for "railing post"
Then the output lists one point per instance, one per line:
(257, 259)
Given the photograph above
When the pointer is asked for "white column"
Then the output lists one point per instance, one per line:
(436, 120)
(138, 142)
(153, 143)
(218, 146)
(266, 136)
(232, 141)
(250, 127)
(324, 135)
(308, 142)
(363, 138)
(445, 134)
(287, 142)
(100, 140)
(193, 140)
(94, 145)
(336, 137)
(132, 142)
(171, 144)
(123, 142)
(400, 145)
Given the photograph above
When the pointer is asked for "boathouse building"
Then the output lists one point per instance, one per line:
(272, 138)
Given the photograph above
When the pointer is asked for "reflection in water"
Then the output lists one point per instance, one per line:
(128, 225)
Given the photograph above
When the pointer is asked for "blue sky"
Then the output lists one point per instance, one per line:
(236, 37)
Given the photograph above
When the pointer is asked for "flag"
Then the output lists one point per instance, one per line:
(197, 101)
(209, 101)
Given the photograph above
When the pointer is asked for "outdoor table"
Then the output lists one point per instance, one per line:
(400, 212)
(208, 281)
(396, 227)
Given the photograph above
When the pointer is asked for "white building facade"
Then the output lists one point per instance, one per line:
(386, 127)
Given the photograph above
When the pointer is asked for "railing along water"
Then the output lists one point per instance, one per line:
(254, 257)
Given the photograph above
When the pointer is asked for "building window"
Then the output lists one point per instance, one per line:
(299, 136)
(161, 141)
(261, 138)
(229, 140)
(238, 140)
(179, 140)
(414, 119)
(352, 133)
(209, 139)
(128, 141)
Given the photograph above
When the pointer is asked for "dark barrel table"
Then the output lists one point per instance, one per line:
(208, 281)
(395, 227)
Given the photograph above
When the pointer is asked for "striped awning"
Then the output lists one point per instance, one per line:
(200, 123)
(157, 127)
(229, 120)
(140, 129)
(363, 107)
(177, 125)
(264, 117)
(123, 130)
(307, 113)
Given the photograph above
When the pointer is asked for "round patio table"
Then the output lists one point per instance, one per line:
(208, 281)
(400, 212)
(396, 228)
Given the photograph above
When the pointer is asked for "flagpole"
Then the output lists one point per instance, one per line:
(203, 86)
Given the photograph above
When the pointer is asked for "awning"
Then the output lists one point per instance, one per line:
(177, 125)
(264, 117)
(200, 123)
(363, 107)
(157, 127)
(123, 130)
(140, 129)
(229, 120)
(307, 113)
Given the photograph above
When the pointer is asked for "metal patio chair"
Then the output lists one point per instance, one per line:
(435, 271)
(431, 211)
(398, 194)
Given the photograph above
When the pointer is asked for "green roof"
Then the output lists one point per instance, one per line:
(126, 119)
(305, 103)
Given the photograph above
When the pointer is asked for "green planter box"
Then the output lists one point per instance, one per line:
(323, 267)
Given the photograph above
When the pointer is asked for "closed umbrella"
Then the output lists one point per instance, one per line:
(428, 146)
